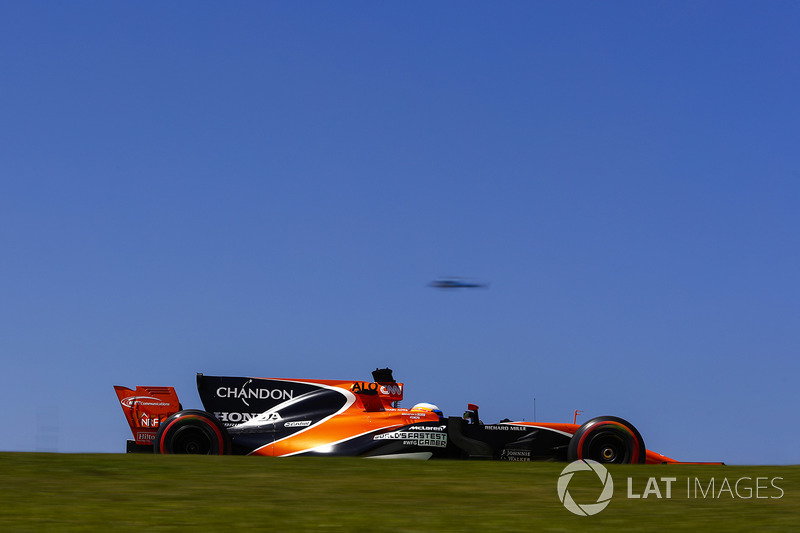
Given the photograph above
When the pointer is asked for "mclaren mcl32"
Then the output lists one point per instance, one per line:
(313, 417)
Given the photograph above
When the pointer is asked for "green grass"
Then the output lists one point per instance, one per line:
(54, 492)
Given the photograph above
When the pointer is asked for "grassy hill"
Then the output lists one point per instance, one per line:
(57, 492)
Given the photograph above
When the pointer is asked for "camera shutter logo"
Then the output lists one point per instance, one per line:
(585, 466)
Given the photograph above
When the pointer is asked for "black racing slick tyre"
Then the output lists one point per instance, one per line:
(192, 432)
(607, 439)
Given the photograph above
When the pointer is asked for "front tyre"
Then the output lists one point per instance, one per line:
(192, 432)
(607, 439)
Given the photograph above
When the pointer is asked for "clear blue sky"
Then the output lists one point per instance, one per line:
(265, 189)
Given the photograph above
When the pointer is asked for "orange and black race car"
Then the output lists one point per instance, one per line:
(311, 417)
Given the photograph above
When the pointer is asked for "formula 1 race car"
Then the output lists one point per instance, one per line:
(309, 417)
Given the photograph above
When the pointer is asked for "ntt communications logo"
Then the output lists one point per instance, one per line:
(587, 509)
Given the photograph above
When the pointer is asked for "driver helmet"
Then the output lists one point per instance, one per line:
(427, 407)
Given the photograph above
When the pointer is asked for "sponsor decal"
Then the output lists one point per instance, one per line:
(391, 389)
(147, 422)
(505, 428)
(297, 424)
(361, 387)
(515, 455)
(235, 417)
(238, 418)
(142, 400)
(415, 438)
(244, 393)
(141, 435)
(386, 389)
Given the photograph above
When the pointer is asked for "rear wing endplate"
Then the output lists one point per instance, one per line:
(145, 408)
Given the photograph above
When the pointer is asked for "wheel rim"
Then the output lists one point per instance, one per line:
(608, 448)
(191, 440)
(608, 454)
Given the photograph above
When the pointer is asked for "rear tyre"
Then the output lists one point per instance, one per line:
(192, 432)
(607, 439)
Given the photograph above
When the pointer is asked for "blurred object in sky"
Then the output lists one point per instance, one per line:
(457, 283)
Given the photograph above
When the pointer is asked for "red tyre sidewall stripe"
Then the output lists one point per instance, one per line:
(636, 451)
(217, 432)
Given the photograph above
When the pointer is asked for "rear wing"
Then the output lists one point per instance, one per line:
(145, 408)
